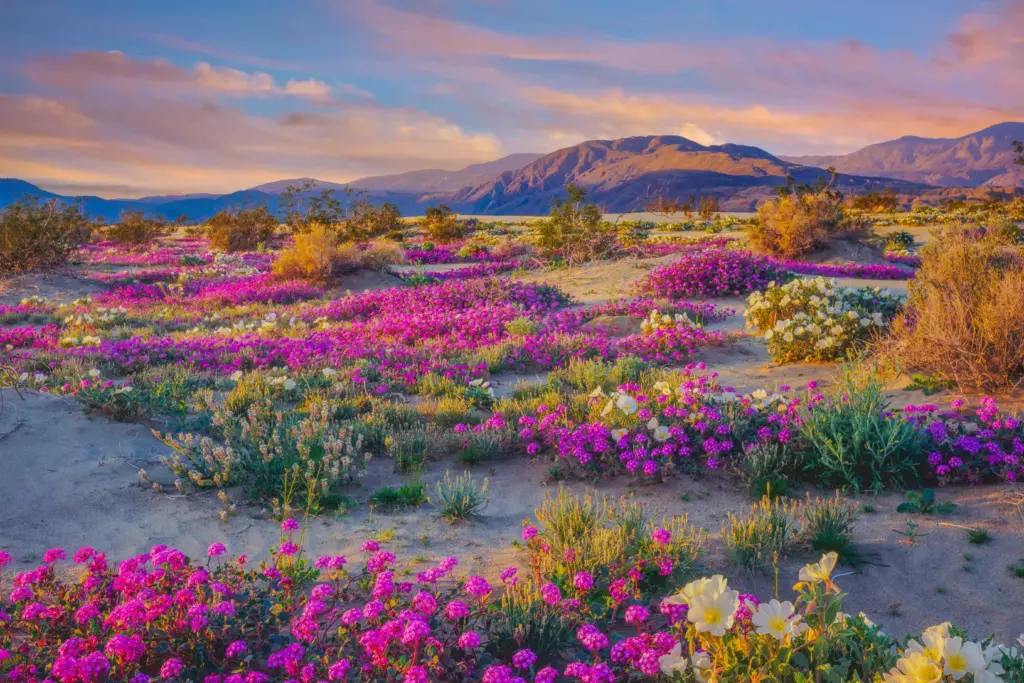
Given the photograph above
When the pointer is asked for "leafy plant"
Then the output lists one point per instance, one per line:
(766, 468)
(924, 503)
(853, 441)
(828, 526)
(460, 499)
(241, 229)
(135, 229)
(409, 494)
(442, 224)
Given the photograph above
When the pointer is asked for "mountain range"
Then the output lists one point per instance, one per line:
(982, 159)
(624, 175)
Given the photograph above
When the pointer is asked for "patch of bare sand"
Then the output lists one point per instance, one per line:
(363, 280)
(69, 480)
(597, 282)
(58, 286)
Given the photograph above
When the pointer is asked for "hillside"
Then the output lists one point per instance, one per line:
(982, 159)
(435, 180)
(623, 175)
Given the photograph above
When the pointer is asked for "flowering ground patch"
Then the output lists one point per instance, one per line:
(585, 609)
(818, 320)
(710, 273)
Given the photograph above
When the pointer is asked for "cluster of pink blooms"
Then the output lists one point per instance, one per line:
(871, 271)
(710, 273)
(972, 446)
(233, 291)
(161, 615)
(911, 260)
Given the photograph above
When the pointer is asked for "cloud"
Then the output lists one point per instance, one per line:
(115, 70)
(171, 129)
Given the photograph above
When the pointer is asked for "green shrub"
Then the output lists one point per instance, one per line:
(575, 231)
(443, 225)
(753, 541)
(241, 229)
(409, 494)
(460, 498)
(766, 469)
(828, 526)
(36, 235)
(134, 229)
(852, 441)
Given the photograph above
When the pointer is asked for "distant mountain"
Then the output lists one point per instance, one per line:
(196, 207)
(623, 175)
(982, 159)
(436, 180)
(619, 175)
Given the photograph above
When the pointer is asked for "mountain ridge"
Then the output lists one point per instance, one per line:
(980, 159)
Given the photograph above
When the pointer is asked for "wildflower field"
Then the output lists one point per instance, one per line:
(487, 461)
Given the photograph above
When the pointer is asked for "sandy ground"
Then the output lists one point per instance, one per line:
(68, 479)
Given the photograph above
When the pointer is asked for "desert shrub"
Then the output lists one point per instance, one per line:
(441, 224)
(381, 253)
(315, 256)
(766, 469)
(964, 316)
(304, 207)
(754, 540)
(365, 221)
(135, 229)
(241, 229)
(818, 320)
(36, 235)
(828, 526)
(409, 494)
(800, 222)
(853, 441)
(901, 239)
(461, 498)
(600, 537)
(709, 273)
(575, 232)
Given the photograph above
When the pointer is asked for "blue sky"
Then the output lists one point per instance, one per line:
(124, 98)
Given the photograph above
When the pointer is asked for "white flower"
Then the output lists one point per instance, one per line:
(961, 658)
(661, 434)
(619, 433)
(701, 666)
(673, 661)
(821, 571)
(774, 618)
(237, 375)
(652, 423)
(627, 404)
(713, 612)
(289, 384)
(329, 372)
(94, 373)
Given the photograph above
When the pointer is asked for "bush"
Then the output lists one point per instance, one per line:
(134, 229)
(828, 526)
(756, 540)
(817, 320)
(315, 256)
(37, 235)
(442, 225)
(853, 441)
(379, 254)
(767, 468)
(795, 224)
(366, 221)
(709, 273)
(964, 316)
(575, 232)
(241, 229)
(460, 498)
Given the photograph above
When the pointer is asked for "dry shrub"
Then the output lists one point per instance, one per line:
(316, 256)
(441, 224)
(379, 254)
(38, 235)
(795, 224)
(135, 230)
(241, 229)
(964, 317)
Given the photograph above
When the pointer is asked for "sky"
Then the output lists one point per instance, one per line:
(125, 98)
